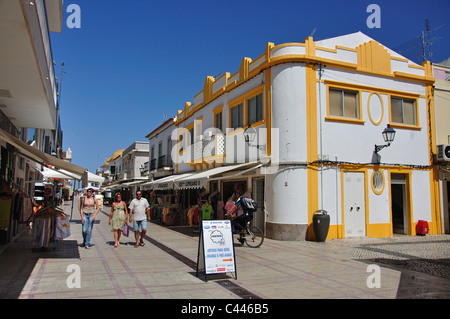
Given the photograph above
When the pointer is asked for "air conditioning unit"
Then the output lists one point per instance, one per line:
(443, 152)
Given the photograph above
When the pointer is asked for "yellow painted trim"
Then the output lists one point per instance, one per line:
(416, 106)
(256, 124)
(247, 95)
(230, 107)
(243, 70)
(371, 182)
(374, 89)
(335, 232)
(244, 100)
(289, 44)
(216, 111)
(413, 77)
(268, 118)
(373, 57)
(420, 67)
(346, 48)
(371, 60)
(310, 46)
(232, 132)
(436, 227)
(379, 230)
(186, 137)
(369, 111)
(409, 207)
(399, 59)
(208, 89)
(344, 120)
(312, 147)
(347, 87)
(405, 126)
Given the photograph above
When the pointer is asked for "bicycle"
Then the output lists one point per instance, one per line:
(253, 235)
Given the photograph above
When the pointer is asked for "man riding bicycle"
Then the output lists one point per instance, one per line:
(240, 222)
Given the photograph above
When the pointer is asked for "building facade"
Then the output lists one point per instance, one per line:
(441, 72)
(30, 129)
(296, 128)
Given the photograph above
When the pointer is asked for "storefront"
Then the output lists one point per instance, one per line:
(186, 199)
(16, 202)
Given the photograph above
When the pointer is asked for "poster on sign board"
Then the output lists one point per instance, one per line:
(216, 248)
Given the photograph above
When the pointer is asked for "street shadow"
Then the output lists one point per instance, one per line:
(420, 278)
(185, 230)
(20, 259)
(78, 221)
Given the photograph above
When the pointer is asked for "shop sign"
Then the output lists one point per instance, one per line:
(161, 186)
(191, 184)
(216, 248)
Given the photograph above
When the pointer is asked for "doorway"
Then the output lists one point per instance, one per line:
(399, 204)
(258, 196)
(354, 204)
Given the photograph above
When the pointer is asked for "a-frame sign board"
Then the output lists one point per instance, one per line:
(216, 248)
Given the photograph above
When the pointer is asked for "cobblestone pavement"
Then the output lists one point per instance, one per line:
(427, 254)
(423, 260)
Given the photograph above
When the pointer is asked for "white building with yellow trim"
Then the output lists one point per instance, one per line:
(317, 108)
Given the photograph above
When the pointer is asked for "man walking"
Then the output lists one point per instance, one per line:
(139, 214)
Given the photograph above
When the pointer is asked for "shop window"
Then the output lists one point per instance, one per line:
(403, 111)
(343, 103)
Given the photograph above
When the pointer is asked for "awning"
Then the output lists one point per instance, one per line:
(199, 180)
(39, 156)
(165, 182)
(133, 183)
(63, 174)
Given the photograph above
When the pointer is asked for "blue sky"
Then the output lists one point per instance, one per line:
(133, 61)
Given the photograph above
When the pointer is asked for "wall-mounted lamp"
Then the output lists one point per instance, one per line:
(388, 136)
(249, 136)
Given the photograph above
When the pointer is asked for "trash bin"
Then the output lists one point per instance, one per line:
(321, 224)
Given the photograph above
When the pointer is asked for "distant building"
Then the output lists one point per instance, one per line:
(441, 72)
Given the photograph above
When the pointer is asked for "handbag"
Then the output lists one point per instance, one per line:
(125, 230)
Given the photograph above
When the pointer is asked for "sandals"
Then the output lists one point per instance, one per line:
(142, 244)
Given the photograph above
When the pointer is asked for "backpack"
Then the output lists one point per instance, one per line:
(250, 204)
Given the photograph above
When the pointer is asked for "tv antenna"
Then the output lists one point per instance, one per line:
(429, 41)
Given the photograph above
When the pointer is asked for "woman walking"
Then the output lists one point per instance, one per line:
(118, 217)
(88, 210)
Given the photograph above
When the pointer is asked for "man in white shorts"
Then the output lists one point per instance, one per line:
(139, 214)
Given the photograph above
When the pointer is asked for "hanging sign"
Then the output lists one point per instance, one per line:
(190, 184)
(216, 248)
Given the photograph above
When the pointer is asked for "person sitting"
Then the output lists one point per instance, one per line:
(240, 222)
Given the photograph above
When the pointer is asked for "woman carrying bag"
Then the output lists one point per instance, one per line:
(118, 217)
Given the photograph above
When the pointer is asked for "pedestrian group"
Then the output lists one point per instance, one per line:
(138, 214)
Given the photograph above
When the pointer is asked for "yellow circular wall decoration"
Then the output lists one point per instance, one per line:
(375, 108)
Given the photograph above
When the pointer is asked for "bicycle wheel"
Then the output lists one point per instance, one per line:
(254, 237)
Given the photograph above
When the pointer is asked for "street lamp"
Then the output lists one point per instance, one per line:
(249, 136)
(388, 136)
